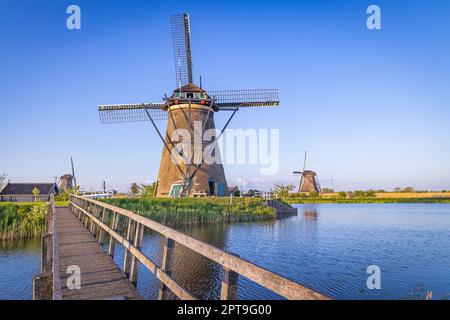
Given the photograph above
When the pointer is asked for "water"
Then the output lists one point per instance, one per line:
(327, 247)
(19, 263)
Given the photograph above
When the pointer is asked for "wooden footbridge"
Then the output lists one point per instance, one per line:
(73, 247)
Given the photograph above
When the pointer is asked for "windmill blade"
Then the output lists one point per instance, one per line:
(181, 40)
(304, 161)
(135, 112)
(230, 99)
(300, 185)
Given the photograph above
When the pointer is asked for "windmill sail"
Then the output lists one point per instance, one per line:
(133, 112)
(181, 40)
(230, 99)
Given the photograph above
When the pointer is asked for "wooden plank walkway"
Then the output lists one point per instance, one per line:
(101, 278)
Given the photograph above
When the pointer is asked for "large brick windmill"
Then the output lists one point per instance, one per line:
(184, 172)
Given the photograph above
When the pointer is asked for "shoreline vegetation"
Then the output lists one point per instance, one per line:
(196, 211)
(369, 197)
(23, 220)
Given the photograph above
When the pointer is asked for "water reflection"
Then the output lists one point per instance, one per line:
(19, 262)
(325, 247)
(310, 213)
(194, 272)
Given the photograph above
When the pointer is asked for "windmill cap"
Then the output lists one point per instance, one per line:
(309, 172)
(190, 87)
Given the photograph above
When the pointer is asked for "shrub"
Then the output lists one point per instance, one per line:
(342, 194)
(313, 194)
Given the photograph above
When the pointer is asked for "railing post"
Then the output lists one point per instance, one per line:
(138, 235)
(43, 283)
(166, 266)
(101, 235)
(92, 224)
(127, 256)
(112, 241)
(96, 227)
(229, 285)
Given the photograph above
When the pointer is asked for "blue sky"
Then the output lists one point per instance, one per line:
(371, 107)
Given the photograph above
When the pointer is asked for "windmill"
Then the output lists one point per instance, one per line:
(309, 181)
(190, 108)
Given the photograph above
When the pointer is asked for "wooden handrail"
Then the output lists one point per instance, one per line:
(47, 284)
(57, 286)
(89, 211)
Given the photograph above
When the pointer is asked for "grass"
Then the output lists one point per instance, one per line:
(20, 221)
(194, 211)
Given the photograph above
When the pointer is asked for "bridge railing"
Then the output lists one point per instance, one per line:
(47, 284)
(103, 219)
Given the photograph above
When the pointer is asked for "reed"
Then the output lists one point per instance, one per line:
(21, 221)
(194, 211)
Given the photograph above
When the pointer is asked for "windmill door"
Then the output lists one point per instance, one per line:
(212, 188)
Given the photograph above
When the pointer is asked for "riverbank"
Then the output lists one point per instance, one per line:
(196, 211)
(337, 200)
(21, 221)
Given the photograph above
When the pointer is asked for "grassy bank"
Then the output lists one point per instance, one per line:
(192, 211)
(21, 221)
(306, 200)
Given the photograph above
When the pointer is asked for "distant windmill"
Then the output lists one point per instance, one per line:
(188, 105)
(309, 181)
(67, 181)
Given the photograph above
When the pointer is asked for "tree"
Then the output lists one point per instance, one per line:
(408, 189)
(135, 189)
(36, 193)
(371, 193)
(148, 191)
(359, 193)
(342, 194)
(65, 194)
(327, 190)
(397, 189)
(282, 190)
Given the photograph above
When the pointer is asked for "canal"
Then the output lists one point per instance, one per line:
(327, 247)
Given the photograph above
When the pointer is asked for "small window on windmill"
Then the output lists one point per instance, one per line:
(189, 95)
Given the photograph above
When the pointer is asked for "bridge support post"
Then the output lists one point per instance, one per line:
(43, 283)
(127, 256)
(229, 285)
(43, 287)
(167, 262)
(101, 236)
(138, 235)
(112, 241)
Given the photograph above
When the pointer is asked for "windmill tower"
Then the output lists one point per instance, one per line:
(309, 181)
(184, 169)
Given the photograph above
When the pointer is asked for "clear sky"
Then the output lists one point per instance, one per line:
(370, 106)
